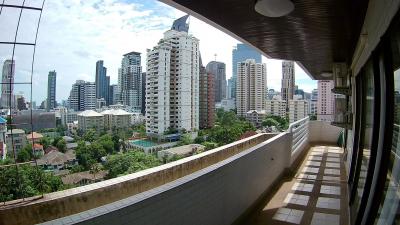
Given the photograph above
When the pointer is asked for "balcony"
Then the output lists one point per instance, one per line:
(221, 186)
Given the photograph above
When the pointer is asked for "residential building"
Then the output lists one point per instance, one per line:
(56, 161)
(7, 87)
(90, 119)
(276, 107)
(288, 81)
(3, 130)
(251, 86)
(68, 116)
(218, 70)
(240, 53)
(102, 81)
(34, 137)
(129, 82)
(82, 96)
(15, 140)
(314, 102)
(100, 103)
(256, 116)
(298, 91)
(143, 91)
(116, 118)
(231, 89)
(172, 82)
(326, 100)
(51, 90)
(206, 98)
(21, 104)
(298, 109)
(114, 94)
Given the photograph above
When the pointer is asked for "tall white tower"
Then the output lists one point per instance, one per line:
(172, 82)
(288, 81)
(251, 86)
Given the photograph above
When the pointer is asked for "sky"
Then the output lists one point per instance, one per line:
(74, 34)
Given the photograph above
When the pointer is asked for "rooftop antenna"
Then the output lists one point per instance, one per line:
(215, 57)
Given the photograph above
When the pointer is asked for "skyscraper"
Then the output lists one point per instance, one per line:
(7, 87)
(251, 86)
(51, 90)
(129, 81)
(288, 80)
(218, 70)
(114, 94)
(326, 100)
(172, 82)
(82, 96)
(101, 80)
(143, 91)
(206, 98)
(314, 102)
(239, 54)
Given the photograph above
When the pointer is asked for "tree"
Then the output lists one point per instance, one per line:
(25, 154)
(45, 141)
(107, 143)
(185, 139)
(269, 122)
(61, 145)
(210, 145)
(89, 135)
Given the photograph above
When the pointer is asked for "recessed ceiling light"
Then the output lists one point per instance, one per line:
(326, 74)
(274, 8)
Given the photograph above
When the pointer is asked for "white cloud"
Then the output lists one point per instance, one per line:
(74, 34)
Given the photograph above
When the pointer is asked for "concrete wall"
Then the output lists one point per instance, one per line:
(218, 194)
(323, 132)
(75, 200)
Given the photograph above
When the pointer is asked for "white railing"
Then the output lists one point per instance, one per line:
(300, 133)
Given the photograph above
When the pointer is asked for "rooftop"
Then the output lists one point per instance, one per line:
(115, 112)
(89, 113)
(34, 135)
(15, 131)
(185, 149)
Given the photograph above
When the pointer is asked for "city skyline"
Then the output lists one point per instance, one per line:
(93, 35)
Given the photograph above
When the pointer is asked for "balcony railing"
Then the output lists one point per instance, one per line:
(214, 187)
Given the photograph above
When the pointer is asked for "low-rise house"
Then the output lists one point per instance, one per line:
(56, 161)
(181, 151)
(34, 137)
(38, 149)
(83, 178)
(256, 117)
(16, 138)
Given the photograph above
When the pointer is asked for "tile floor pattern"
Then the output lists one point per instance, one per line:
(317, 194)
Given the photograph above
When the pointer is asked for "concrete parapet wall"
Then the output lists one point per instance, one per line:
(218, 194)
(72, 201)
(323, 132)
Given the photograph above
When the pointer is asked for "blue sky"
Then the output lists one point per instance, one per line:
(74, 34)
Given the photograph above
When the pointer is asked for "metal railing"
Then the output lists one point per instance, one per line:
(300, 133)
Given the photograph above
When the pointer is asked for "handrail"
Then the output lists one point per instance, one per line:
(299, 131)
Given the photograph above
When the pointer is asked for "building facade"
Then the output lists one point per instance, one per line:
(288, 81)
(116, 118)
(51, 90)
(240, 53)
(298, 109)
(90, 119)
(326, 100)
(82, 96)
(7, 87)
(129, 81)
(314, 102)
(218, 70)
(251, 86)
(256, 117)
(206, 98)
(102, 81)
(276, 107)
(172, 82)
(15, 140)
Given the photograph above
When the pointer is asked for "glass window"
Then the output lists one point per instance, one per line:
(389, 209)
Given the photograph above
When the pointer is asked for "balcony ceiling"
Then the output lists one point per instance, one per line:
(316, 34)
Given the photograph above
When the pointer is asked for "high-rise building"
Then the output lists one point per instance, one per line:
(21, 104)
(218, 70)
(51, 90)
(7, 87)
(206, 98)
(239, 54)
(101, 80)
(251, 86)
(288, 80)
(326, 100)
(107, 91)
(143, 92)
(172, 82)
(129, 81)
(114, 94)
(82, 96)
(314, 102)
(298, 109)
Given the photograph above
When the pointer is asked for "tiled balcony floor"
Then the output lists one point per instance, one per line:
(317, 194)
